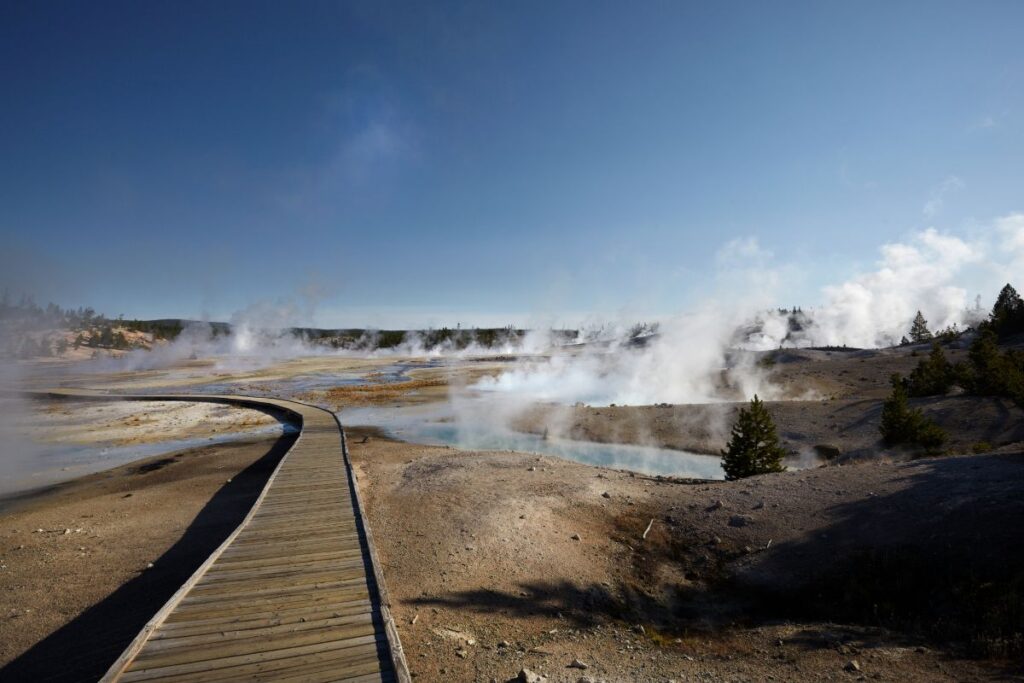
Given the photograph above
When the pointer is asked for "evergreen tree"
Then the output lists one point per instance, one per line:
(919, 331)
(754, 445)
(903, 425)
(1008, 312)
(987, 375)
(933, 375)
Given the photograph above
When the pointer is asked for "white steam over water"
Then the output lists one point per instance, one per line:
(701, 356)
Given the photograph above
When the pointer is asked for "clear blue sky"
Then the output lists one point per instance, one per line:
(422, 162)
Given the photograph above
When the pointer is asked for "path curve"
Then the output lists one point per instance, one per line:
(295, 593)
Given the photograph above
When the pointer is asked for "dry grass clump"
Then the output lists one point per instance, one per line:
(372, 394)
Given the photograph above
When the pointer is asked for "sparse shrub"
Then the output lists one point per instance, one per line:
(981, 447)
(906, 426)
(754, 446)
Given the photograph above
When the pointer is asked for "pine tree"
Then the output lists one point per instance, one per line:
(902, 424)
(919, 331)
(987, 369)
(933, 375)
(754, 446)
(1008, 312)
(896, 414)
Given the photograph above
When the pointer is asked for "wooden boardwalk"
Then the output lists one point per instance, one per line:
(294, 594)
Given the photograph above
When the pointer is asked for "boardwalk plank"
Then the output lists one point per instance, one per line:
(292, 595)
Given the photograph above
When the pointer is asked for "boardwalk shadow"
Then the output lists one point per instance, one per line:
(83, 649)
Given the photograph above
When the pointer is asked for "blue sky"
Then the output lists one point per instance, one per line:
(419, 163)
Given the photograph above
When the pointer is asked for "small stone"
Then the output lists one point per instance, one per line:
(577, 664)
(67, 531)
(852, 665)
(462, 653)
(531, 468)
(739, 520)
(606, 495)
(715, 505)
(527, 676)
(576, 537)
(715, 540)
(639, 629)
(149, 565)
(504, 644)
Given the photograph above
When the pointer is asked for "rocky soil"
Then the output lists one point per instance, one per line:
(498, 562)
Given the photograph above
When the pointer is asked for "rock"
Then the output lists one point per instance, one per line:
(715, 540)
(606, 495)
(504, 644)
(577, 664)
(462, 653)
(638, 628)
(740, 520)
(576, 537)
(531, 469)
(852, 665)
(527, 676)
(715, 505)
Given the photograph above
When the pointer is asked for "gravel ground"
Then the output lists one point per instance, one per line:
(498, 561)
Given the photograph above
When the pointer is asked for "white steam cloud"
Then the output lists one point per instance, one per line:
(706, 356)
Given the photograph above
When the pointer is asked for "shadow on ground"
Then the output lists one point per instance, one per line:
(84, 649)
(941, 557)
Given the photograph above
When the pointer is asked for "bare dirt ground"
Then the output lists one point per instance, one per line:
(498, 561)
(84, 565)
